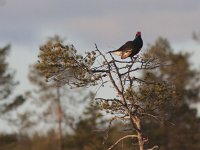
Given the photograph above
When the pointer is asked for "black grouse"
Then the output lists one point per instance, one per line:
(130, 48)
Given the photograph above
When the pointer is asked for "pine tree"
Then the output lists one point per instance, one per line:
(180, 127)
(97, 69)
(7, 82)
(57, 99)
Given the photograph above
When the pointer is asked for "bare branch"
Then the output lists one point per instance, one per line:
(118, 74)
(109, 71)
(155, 147)
(125, 137)
(152, 116)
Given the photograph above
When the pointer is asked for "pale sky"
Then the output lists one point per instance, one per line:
(26, 24)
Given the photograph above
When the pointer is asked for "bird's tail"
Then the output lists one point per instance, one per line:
(109, 52)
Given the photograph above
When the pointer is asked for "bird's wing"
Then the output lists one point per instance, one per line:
(123, 54)
(126, 46)
(123, 49)
(117, 52)
(126, 53)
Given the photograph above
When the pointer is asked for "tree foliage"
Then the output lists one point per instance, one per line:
(7, 82)
(182, 132)
(62, 62)
(7, 85)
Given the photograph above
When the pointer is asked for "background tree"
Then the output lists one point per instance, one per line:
(183, 132)
(85, 133)
(9, 103)
(91, 132)
(6, 74)
(49, 95)
(196, 36)
(57, 102)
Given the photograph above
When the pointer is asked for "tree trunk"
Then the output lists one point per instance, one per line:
(59, 120)
(139, 133)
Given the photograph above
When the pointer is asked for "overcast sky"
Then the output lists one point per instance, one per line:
(26, 24)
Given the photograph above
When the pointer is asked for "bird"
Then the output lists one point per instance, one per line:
(130, 48)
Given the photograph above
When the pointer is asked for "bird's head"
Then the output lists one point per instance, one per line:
(138, 34)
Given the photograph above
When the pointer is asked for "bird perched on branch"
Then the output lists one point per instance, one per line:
(130, 48)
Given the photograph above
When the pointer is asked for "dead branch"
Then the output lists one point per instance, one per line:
(109, 71)
(125, 137)
(155, 147)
